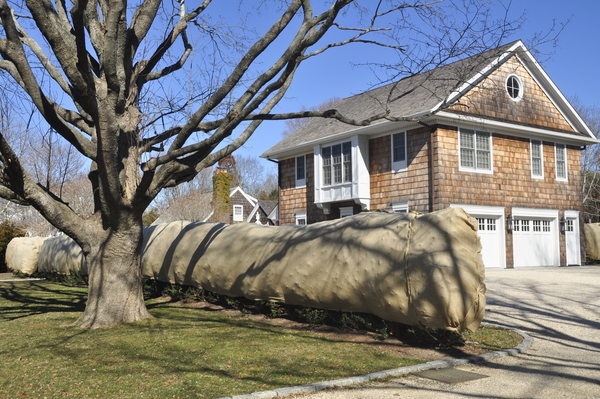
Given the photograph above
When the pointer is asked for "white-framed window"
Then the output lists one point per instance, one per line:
(514, 87)
(400, 206)
(546, 226)
(486, 224)
(337, 164)
(301, 171)
(537, 159)
(346, 211)
(475, 150)
(560, 154)
(569, 225)
(238, 213)
(301, 218)
(399, 150)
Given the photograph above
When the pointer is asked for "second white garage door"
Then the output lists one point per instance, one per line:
(535, 238)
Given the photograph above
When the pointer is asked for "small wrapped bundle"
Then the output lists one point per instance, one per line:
(22, 254)
(592, 240)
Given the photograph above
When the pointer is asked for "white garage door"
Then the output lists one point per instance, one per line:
(535, 242)
(492, 246)
(490, 229)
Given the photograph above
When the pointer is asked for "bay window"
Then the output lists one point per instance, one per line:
(337, 164)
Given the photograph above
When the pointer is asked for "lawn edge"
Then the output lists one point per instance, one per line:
(398, 372)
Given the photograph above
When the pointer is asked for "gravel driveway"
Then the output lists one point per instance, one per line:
(558, 307)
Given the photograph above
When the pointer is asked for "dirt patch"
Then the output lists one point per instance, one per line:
(389, 344)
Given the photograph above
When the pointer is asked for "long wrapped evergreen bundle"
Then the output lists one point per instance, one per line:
(62, 255)
(426, 270)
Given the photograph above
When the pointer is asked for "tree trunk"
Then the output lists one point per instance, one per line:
(115, 293)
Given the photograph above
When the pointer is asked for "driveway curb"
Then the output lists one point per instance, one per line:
(436, 364)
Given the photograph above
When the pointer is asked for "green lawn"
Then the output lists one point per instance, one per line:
(181, 353)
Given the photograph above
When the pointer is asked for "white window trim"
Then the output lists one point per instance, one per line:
(346, 211)
(400, 206)
(300, 183)
(301, 215)
(344, 176)
(475, 169)
(521, 87)
(240, 217)
(564, 148)
(541, 158)
(399, 166)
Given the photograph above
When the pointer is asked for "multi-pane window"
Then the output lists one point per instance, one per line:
(514, 87)
(561, 161)
(521, 225)
(537, 225)
(238, 213)
(300, 168)
(326, 166)
(546, 226)
(398, 151)
(347, 159)
(569, 226)
(537, 169)
(475, 150)
(301, 171)
(399, 145)
(481, 224)
(400, 206)
(337, 164)
(486, 224)
(301, 218)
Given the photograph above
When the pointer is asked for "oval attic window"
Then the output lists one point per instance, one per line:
(514, 87)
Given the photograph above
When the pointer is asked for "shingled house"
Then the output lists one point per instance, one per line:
(491, 134)
(245, 208)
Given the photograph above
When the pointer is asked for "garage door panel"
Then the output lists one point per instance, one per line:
(492, 248)
(534, 242)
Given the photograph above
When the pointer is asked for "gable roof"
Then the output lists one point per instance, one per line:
(268, 208)
(251, 200)
(419, 96)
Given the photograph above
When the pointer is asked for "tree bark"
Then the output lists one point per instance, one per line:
(115, 293)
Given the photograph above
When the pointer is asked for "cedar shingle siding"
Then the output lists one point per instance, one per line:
(433, 179)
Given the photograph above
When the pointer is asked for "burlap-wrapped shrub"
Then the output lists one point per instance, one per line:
(22, 254)
(592, 240)
(425, 270)
(62, 255)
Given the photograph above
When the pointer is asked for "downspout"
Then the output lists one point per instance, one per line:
(276, 162)
(432, 198)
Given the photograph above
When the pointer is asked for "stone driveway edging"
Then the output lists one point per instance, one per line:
(380, 375)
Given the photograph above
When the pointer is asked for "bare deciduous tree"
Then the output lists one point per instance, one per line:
(253, 177)
(52, 161)
(291, 125)
(590, 163)
(111, 79)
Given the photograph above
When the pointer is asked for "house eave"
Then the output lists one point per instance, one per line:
(512, 129)
(308, 146)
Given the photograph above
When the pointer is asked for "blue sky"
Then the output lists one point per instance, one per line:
(573, 64)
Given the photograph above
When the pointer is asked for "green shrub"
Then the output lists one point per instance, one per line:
(8, 231)
(73, 280)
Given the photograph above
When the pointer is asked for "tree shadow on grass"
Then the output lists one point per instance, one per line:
(27, 298)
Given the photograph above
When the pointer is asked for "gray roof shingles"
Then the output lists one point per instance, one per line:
(414, 95)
